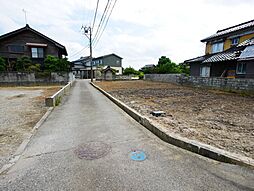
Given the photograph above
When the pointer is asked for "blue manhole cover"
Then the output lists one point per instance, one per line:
(138, 155)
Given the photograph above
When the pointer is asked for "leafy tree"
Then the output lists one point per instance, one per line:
(163, 60)
(130, 70)
(141, 75)
(54, 64)
(23, 64)
(166, 66)
(2, 65)
(185, 68)
(34, 68)
(51, 63)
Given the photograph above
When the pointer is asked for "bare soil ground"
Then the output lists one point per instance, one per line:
(20, 109)
(221, 119)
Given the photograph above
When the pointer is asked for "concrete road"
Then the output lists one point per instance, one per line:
(51, 160)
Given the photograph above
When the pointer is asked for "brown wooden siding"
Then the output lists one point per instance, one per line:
(23, 38)
(250, 69)
(195, 69)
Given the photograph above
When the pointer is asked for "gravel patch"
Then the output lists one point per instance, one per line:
(20, 110)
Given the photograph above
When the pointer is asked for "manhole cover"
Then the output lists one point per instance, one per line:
(92, 150)
(138, 155)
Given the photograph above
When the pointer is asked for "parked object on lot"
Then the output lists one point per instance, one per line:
(158, 113)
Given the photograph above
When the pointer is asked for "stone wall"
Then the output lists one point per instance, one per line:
(27, 79)
(116, 77)
(172, 78)
(240, 84)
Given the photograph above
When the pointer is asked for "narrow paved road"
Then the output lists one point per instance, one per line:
(51, 162)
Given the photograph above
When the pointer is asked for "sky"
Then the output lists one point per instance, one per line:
(140, 31)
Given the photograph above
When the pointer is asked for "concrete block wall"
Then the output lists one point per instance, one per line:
(21, 78)
(173, 78)
(218, 83)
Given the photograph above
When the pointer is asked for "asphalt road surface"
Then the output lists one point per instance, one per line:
(86, 144)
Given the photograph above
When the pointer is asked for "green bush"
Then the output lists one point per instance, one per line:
(34, 68)
(129, 71)
(141, 75)
(166, 66)
(2, 65)
(54, 64)
(23, 64)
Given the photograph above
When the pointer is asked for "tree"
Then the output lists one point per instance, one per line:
(2, 65)
(166, 66)
(23, 64)
(34, 68)
(129, 70)
(163, 60)
(54, 64)
(185, 68)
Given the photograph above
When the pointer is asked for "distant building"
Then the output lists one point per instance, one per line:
(148, 66)
(229, 53)
(31, 43)
(82, 67)
(112, 60)
(108, 73)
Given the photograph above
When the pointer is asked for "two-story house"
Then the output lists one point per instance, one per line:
(82, 67)
(228, 53)
(31, 43)
(112, 60)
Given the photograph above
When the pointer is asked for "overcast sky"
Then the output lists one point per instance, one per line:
(140, 31)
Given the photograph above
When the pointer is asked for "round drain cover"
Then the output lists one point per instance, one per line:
(138, 155)
(92, 150)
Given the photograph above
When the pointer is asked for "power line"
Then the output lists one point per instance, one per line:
(79, 52)
(104, 15)
(105, 25)
(95, 14)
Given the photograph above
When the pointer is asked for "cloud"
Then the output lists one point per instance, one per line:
(139, 31)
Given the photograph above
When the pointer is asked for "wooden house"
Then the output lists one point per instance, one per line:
(31, 43)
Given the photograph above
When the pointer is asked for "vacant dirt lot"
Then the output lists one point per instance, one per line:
(20, 109)
(224, 120)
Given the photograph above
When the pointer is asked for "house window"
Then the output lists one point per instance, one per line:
(205, 71)
(16, 48)
(217, 47)
(235, 41)
(37, 53)
(241, 68)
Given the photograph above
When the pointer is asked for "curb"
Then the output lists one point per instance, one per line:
(55, 99)
(25, 142)
(182, 142)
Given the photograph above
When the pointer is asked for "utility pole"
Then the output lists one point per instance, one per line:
(88, 33)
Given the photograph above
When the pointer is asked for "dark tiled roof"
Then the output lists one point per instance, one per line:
(82, 60)
(248, 42)
(108, 56)
(230, 30)
(224, 56)
(197, 59)
(27, 27)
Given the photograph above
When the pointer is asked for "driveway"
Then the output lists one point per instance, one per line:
(86, 144)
